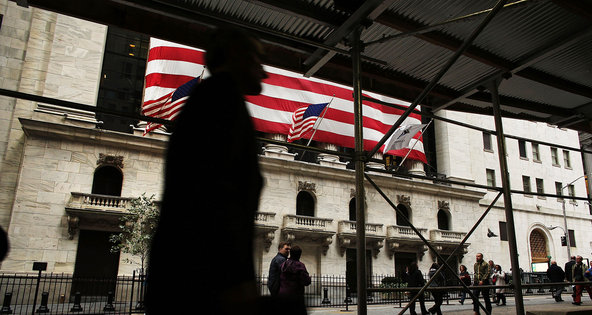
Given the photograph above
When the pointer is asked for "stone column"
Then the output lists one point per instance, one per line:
(276, 150)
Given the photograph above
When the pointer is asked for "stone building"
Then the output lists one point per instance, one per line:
(68, 173)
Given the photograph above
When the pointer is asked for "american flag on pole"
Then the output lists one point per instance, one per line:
(284, 92)
(304, 120)
(171, 73)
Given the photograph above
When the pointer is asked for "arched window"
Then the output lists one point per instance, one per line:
(107, 181)
(405, 211)
(443, 220)
(352, 210)
(305, 204)
(538, 246)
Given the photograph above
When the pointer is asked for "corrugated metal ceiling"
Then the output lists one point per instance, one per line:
(555, 87)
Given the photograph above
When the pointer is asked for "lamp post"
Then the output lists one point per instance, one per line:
(565, 234)
(566, 231)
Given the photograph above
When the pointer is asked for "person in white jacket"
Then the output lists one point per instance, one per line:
(500, 280)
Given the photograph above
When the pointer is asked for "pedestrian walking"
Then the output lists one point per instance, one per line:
(273, 278)
(414, 278)
(568, 275)
(482, 275)
(466, 279)
(492, 280)
(556, 274)
(294, 276)
(224, 282)
(438, 281)
(500, 280)
(578, 272)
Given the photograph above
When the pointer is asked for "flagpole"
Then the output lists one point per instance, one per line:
(318, 122)
(413, 146)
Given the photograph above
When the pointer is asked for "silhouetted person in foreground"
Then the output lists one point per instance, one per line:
(201, 258)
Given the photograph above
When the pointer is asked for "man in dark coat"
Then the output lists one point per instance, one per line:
(556, 274)
(273, 280)
(202, 251)
(414, 278)
(568, 277)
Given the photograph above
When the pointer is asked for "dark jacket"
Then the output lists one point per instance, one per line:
(578, 272)
(440, 279)
(293, 279)
(414, 279)
(482, 272)
(568, 267)
(273, 280)
(555, 273)
(465, 277)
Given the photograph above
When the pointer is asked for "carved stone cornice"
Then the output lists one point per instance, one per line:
(404, 200)
(112, 160)
(307, 186)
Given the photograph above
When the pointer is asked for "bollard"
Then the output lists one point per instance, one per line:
(326, 296)
(44, 299)
(6, 304)
(348, 298)
(109, 306)
(77, 307)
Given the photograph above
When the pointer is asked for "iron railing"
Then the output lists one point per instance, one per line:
(56, 293)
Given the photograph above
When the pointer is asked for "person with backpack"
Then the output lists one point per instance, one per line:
(438, 281)
(500, 280)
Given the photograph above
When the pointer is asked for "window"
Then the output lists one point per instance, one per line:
(522, 149)
(305, 204)
(443, 220)
(487, 141)
(490, 177)
(540, 187)
(503, 231)
(558, 189)
(571, 190)
(572, 238)
(352, 210)
(536, 156)
(122, 77)
(566, 159)
(554, 157)
(107, 180)
(404, 212)
(526, 183)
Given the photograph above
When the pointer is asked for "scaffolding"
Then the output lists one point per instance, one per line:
(352, 30)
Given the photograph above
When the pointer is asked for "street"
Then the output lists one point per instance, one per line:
(537, 304)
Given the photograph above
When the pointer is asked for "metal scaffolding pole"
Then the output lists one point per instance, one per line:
(501, 145)
(359, 162)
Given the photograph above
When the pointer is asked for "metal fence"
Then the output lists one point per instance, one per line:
(337, 291)
(54, 293)
(63, 294)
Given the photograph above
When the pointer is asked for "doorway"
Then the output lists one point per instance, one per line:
(351, 269)
(95, 271)
(402, 261)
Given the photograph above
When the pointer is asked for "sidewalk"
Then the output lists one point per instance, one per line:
(533, 305)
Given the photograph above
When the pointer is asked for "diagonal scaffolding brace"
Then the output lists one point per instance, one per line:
(445, 261)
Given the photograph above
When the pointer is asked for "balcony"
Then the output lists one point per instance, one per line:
(347, 236)
(446, 241)
(404, 239)
(308, 229)
(95, 212)
(265, 227)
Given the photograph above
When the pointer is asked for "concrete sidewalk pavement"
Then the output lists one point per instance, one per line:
(533, 305)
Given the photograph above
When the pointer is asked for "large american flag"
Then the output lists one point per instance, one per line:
(284, 92)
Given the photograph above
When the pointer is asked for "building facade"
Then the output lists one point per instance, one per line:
(68, 174)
